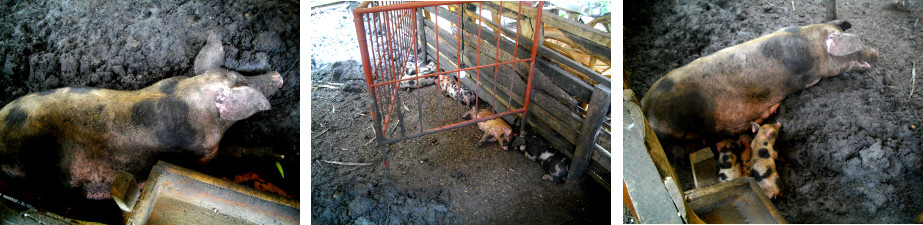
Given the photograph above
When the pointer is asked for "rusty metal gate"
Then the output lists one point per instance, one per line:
(397, 37)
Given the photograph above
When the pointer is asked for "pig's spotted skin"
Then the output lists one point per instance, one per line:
(763, 153)
(175, 131)
(16, 117)
(168, 87)
(80, 90)
(760, 177)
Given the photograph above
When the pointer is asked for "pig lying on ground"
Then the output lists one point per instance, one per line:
(494, 129)
(83, 136)
(763, 165)
(410, 71)
(452, 88)
(537, 149)
(720, 94)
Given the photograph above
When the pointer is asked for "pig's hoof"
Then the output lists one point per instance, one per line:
(548, 177)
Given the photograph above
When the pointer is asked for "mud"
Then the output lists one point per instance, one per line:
(440, 178)
(128, 45)
(852, 143)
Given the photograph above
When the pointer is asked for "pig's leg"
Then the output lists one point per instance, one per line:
(484, 138)
(209, 155)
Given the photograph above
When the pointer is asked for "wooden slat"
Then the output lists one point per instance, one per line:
(557, 57)
(596, 113)
(580, 89)
(564, 125)
(538, 125)
(644, 185)
(597, 36)
(560, 111)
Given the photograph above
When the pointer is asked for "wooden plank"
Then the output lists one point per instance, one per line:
(647, 192)
(557, 57)
(565, 125)
(562, 112)
(601, 176)
(570, 83)
(595, 49)
(577, 88)
(541, 128)
(561, 142)
(634, 118)
(597, 36)
(596, 113)
(537, 125)
(543, 101)
(420, 31)
(603, 157)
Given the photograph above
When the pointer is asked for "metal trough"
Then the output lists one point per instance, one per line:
(737, 201)
(175, 195)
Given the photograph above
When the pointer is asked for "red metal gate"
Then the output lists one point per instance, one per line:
(391, 34)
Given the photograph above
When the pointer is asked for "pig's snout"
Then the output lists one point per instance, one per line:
(277, 78)
(872, 55)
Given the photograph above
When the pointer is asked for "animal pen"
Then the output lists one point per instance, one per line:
(488, 48)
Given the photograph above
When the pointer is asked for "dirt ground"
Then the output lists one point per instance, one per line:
(440, 178)
(129, 45)
(852, 142)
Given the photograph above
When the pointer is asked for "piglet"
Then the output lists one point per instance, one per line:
(763, 165)
(494, 129)
(76, 139)
(416, 71)
(452, 88)
(728, 163)
(537, 149)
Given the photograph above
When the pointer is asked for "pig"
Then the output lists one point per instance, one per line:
(412, 70)
(537, 149)
(452, 88)
(728, 163)
(720, 94)
(763, 165)
(494, 129)
(530, 145)
(745, 154)
(76, 139)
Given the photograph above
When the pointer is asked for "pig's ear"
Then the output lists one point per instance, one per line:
(211, 56)
(842, 24)
(840, 44)
(755, 127)
(240, 102)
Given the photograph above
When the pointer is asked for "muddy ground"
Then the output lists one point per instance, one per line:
(852, 142)
(129, 45)
(435, 179)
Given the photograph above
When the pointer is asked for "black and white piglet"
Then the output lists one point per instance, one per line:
(412, 70)
(539, 150)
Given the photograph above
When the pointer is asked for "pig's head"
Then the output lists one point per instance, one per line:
(846, 51)
(242, 99)
(766, 133)
(235, 96)
(726, 145)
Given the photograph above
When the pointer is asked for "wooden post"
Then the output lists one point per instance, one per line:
(596, 113)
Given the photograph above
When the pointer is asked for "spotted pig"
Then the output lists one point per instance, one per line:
(763, 164)
(75, 139)
(720, 94)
